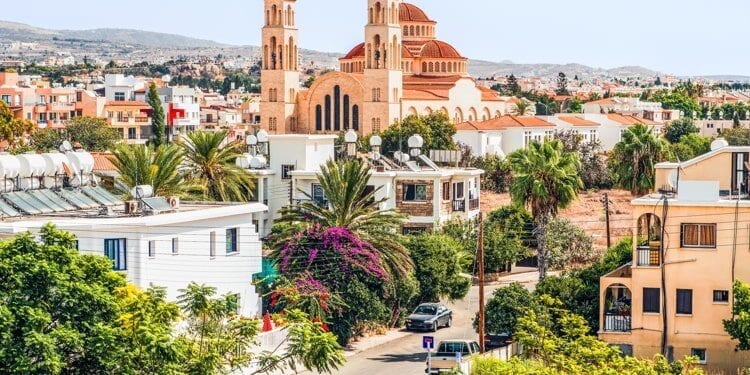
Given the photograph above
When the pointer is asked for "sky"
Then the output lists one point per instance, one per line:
(683, 37)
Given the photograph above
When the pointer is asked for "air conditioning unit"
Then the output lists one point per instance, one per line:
(174, 202)
(131, 207)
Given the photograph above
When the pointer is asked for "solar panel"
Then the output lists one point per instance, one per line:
(102, 196)
(41, 206)
(158, 204)
(53, 204)
(57, 199)
(78, 199)
(413, 166)
(18, 202)
(428, 162)
(7, 210)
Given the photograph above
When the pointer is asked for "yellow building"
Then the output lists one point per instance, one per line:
(400, 69)
(692, 242)
(131, 118)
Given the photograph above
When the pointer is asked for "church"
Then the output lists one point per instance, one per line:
(400, 69)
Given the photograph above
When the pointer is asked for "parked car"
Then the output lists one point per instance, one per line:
(494, 341)
(446, 358)
(430, 317)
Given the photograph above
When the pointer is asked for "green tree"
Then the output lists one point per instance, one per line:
(14, 130)
(512, 87)
(736, 136)
(677, 100)
(158, 167)
(45, 140)
(546, 179)
(697, 143)
(521, 108)
(58, 309)
(633, 159)
(676, 129)
(436, 129)
(158, 126)
(210, 161)
(562, 84)
(739, 326)
(93, 133)
(350, 205)
(505, 307)
(437, 260)
(576, 106)
(567, 244)
(497, 172)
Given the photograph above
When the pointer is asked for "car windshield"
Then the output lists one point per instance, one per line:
(425, 310)
(453, 347)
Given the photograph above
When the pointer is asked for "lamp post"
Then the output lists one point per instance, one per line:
(415, 145)
(262, 138)
(375, 143)
(350, 139)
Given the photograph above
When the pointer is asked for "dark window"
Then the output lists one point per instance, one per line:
(232, 241)
(415, 193)
(175, 245)
(131, 133)
(698, 236)
(119, 96)
(446, 191)
(318, 118)
(458, 191)
(700, 354)
(626, 349)
(721, 296)
(336, 108)
(115, 250)
(347, 115)
(327, 112)
(212, 244)
(286, 171)
(685, 301)
(77, 245)
(355, 117)
(319, 195)
(739, 172)
(651, 300)
(151, 249)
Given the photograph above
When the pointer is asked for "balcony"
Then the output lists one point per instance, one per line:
(618, 309)
(141, 120)
(649, 256)
(61, 107)
(459, 205)
(473, 204)
(615, 322)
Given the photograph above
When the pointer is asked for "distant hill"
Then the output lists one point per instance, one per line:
(479, 68)
(13, 31)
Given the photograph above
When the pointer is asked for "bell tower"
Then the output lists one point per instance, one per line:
(280, 71)
(383, 75)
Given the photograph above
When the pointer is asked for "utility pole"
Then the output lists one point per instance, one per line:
(480, 260)
(606, 213)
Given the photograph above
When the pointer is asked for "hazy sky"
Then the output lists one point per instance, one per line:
(685, 37)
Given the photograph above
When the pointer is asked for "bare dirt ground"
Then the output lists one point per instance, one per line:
(587, 212)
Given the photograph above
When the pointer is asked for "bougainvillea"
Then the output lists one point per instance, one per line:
(322, 252)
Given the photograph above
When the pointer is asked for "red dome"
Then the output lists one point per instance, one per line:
(357, 51)
(412, 13)
(439, 50)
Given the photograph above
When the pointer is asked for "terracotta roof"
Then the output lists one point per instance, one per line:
(359, 51)
(629, 120)
(102, 162)
(505, 122)
(431, 80)
(490, 94)
(425, 94)
(607, 101)
(577, 121)
(128, 103)
(437, 49)
(412, 13)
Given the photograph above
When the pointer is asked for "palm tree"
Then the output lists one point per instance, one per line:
(633, 159)
(350, 205)
(210, 162)
(158, 167)
(521, 108)
(546, 179)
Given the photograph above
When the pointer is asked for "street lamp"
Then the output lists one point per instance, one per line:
(415, 145)
(262, 137)
(350, 139)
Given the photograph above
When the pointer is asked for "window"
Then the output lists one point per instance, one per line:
(119, 96)
(527, 138)
(626, 349)
(212, 244)
(318, 195)
(700, 354)
(698, 236)
(458, 191)
(721, 296)
(232, 241)
(175, 246)
(286, 171)
(685, 301)
(549, 135)
(446, 191)
(593, 136)
(77, 245)
(6, 99)
(131, 133)
(415, 193)
(152, 249)
(115, 250)
(739, 172)
(651, 300)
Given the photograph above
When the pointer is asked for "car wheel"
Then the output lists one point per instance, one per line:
(434, 327)
(449, 322)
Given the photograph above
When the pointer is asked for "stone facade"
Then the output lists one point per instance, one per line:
(421, 208)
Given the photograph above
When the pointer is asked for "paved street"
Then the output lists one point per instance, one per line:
(406, 356)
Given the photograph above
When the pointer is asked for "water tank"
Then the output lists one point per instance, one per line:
(29, 184)
(54, 163)
(31, 165)
(142, 191)
(258, 162)
(9, 166)
(719, 143)
(81, 161)
(244, 161)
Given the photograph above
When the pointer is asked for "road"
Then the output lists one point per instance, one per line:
(406, 356)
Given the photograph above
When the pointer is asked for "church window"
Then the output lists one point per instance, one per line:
(418, 33)
(375, 95)
(318, 118)
(431, 67)
(327, 113)
(406, 31)
(336, 108)
(442, 67)
(355, 117)
(376, 125)
(424, 67)
(411, 30)
(347, 115)
(272, 125)
(272, 95)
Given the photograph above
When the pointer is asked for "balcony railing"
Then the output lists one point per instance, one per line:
(649, 256)
(459, 205)
(473, 204)
(141, 120)
(616, 322)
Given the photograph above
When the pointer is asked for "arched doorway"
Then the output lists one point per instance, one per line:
(618, 302)
(648, 245)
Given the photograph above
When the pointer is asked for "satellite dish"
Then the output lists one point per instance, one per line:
(673, 178)
(251, 140)
(719, 143)
(350, 136)
(262, 136)
(66, 146)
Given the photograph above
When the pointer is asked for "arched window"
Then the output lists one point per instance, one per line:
(347, 115)
(431, 67)
(424, 67)
(318, 118)
(411, 30)
(355, 117)
(327, 113)
(418, 31)
(273, 10)
(442, 67)
(336, 108)
(406, 31)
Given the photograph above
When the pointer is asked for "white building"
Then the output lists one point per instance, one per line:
(181, 109)
(429, 195)
(155, 241)
(118, 87)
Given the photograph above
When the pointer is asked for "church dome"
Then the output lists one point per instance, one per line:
(357, 51)
(439, 50)
(412, 13)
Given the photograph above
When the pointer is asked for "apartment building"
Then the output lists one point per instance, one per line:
(691, 244)
(152, 241)
(181, 109)
(131, 118)
(287, 166)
